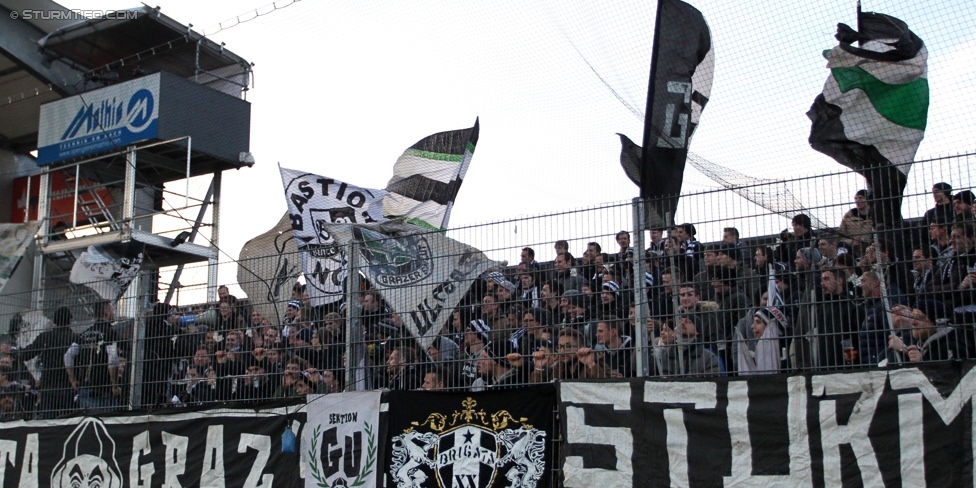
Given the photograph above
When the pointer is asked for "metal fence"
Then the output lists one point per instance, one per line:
(576, 294)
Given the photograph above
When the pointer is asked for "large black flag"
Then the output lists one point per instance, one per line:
(680, 84)
(473, 440)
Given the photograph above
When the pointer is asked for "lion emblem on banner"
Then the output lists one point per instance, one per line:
(469, 449)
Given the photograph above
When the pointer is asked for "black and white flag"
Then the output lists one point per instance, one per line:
(872, 113)
(106, 272)
(422, 275)
(680, 84)
(268, 268)
(14, 239)
(427, 177)
(315, 202)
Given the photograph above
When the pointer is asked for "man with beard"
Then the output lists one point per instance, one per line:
(697, 360)
(873, 332)
(403, 371)
(732, 306)
(492, 315)
(857, 225)
(955, 285)
(838, 321)
(706, 313)
(550, 294)
(943, 211)
(256, 385)
(495, 366)
(575, 315)
(530, 296)
(563, 272)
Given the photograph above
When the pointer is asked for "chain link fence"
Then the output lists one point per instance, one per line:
(575, 294)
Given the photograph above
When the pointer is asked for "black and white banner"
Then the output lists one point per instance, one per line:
(268, 268)
(314, 202)
(106, 271)
(341, 444)
(422, 275)
(471, 440)
(902, 427)
(14, 239)
(215, 448)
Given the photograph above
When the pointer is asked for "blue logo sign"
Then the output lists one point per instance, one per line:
(109, 118)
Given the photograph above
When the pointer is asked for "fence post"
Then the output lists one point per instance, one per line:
(640, 289)
(355, 353)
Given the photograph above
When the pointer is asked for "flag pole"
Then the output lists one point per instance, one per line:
(675, 289)
(640, 288)
(650, 102)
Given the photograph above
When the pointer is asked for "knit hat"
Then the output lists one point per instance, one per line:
(811, 255)
(612, 286)
(693, 317)
(727, 249)
(294, 304)
(62, 317)
(499, 279)
(479, 327)
(944, 188)
(965, 196)
(573, 297)
(447, 348)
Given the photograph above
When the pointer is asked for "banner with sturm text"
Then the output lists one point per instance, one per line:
(906, 426)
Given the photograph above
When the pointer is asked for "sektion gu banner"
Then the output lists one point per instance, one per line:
(471, 440)
(898, 427)
(341, 444)
(207, 449)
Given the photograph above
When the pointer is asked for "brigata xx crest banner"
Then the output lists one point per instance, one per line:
(211, 448)
(471, 440)
(899, 427)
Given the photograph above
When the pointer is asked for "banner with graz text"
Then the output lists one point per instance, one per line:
(222, 447)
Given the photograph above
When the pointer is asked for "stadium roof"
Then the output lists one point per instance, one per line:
(48, 52)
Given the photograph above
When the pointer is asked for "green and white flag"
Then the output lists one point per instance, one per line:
(427, 177)
(421, 274)
(872, 113)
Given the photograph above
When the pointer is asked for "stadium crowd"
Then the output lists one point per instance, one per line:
(851, 297)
